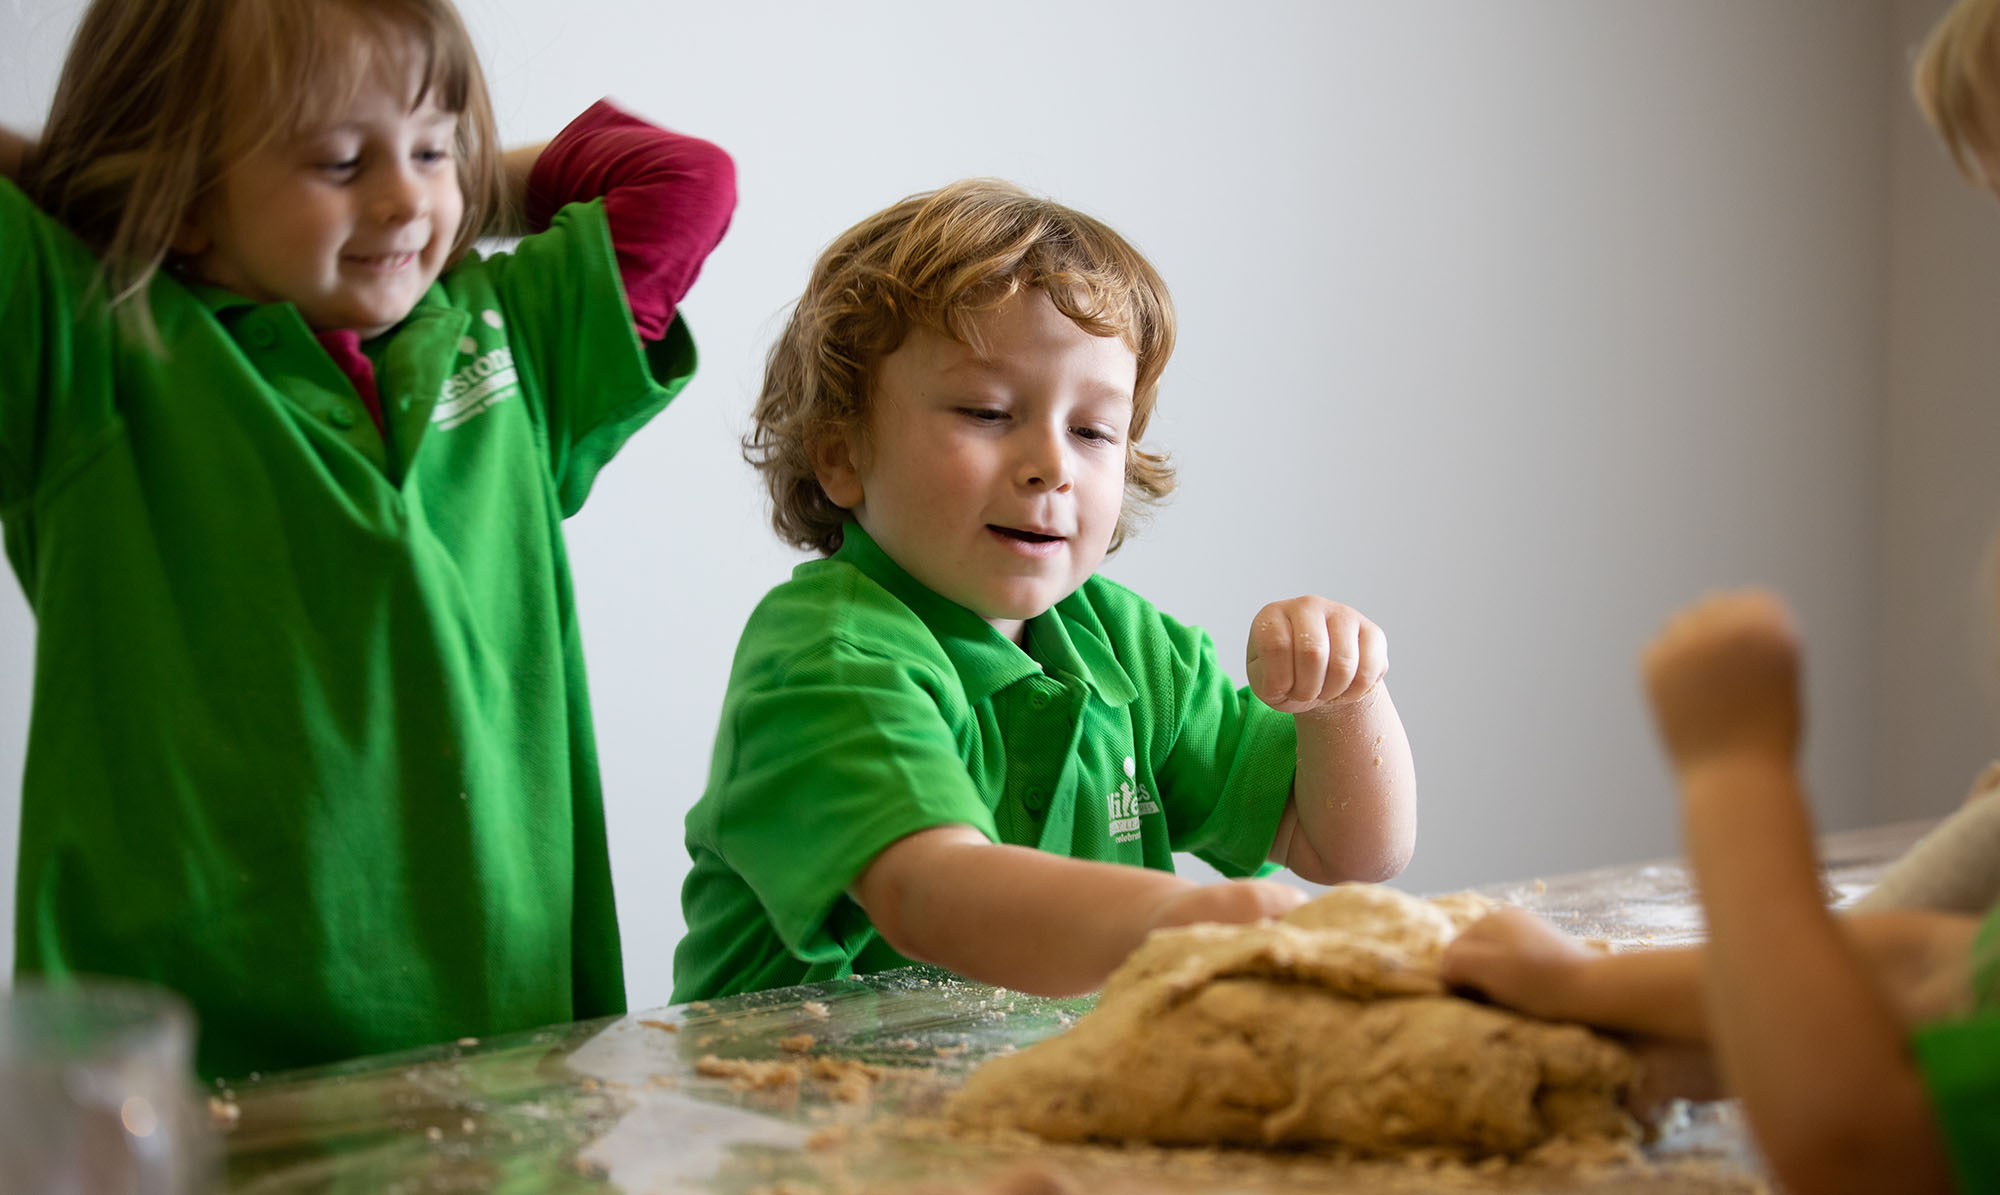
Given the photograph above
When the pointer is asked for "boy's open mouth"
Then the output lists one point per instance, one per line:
(1026, 537)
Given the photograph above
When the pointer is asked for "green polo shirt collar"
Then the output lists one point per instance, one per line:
(411, 369)
(216, 298)
(986, 660)
(1074, 649)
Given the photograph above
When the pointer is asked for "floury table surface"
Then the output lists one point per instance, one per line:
(628, 1104)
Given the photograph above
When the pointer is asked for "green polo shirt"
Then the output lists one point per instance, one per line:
(310, 741)
(1960, 1061)
(862, 707)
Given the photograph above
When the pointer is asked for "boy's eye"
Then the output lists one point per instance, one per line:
(339, 165)
(983, 414)
(1095, 435)
(433, 155)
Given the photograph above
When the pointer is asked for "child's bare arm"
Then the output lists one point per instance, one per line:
(1353, 813)
(1517, 959)
(1802, 1031)
(1920, 959)
(1025, 919)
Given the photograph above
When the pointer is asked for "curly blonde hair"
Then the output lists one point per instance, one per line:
(1955, 80)
(937, 260)
(159, 98)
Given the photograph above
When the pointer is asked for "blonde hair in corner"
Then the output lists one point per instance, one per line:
(1957, 83)
(936, 260)
(158, 98)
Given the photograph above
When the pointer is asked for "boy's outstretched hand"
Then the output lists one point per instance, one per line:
(1309, 652)
(1233, 902)
(1723, 676)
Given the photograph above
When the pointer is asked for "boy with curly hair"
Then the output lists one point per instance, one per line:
(950, 740)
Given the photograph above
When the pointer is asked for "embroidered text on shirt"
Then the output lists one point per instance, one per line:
(489, 378)
(1126, 806)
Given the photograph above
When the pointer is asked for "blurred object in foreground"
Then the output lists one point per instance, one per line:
(97, 1090)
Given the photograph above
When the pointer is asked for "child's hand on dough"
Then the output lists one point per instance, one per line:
(1232, 901)
(1309, 652)
(1516, 959)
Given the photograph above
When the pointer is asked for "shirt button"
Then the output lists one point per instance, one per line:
(262, 336)
(340, 417)
(1032, 798)
(1038, 699)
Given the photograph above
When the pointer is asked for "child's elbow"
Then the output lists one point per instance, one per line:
(1368, 859)
(882, 896)
(709, 171)
(1387, 862)
(1383, 854)
(901, 920)
(891, 928)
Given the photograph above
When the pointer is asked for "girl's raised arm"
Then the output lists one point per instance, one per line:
(667, 198)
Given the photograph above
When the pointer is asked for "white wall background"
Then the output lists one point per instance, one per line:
(1515, 325)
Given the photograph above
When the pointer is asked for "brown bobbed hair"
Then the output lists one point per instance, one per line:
(158, 98)
(937, 260)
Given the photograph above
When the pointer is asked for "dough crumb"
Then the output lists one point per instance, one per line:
(223, 1113)
(798, 1043)
(853, 1082)
(831, 1137)
(749, 1074)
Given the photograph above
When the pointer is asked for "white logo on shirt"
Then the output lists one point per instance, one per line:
(488, 379)
(1126, 806)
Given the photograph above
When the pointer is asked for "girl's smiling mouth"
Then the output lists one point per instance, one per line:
(381, 261)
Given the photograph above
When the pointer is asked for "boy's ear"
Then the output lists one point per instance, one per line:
(834, 465)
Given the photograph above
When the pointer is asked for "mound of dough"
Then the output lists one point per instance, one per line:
(1330, 1027)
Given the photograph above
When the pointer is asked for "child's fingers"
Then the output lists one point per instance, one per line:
(1231, 901)
(1468, 961)
(1359, 661)
(1242, 901)
(1511, 955)
(1271, 667)
(1310, 652)
(1316, 651)
(1327, 656)
(1374, 660)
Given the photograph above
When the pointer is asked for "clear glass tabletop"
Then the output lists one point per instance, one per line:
(834, 1087)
